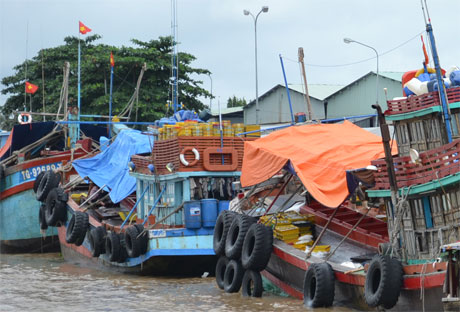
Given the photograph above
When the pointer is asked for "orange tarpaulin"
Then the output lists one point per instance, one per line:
(320, 155)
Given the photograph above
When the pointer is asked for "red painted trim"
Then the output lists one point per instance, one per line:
(283, 286)
(432, 278)
(40, 162)
(301, 264)
(17, 189)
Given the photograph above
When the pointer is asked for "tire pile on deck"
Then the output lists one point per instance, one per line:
(53, 212)
(244, 248)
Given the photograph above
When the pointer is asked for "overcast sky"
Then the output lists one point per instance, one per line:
(222, 39)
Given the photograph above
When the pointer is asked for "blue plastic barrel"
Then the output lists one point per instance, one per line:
(208, 212)
(223, 205)
(192, 214)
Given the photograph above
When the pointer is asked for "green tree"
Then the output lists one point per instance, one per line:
(236, 102)
(154, 92)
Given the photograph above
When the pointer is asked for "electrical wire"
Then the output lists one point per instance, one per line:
(361, 61)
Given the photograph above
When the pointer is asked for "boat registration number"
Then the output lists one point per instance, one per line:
(157, 233)
(32, 173)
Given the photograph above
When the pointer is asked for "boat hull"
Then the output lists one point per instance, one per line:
(170, 252)
(19, 227)
(286, 271)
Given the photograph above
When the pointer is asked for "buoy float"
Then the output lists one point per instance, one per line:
(24, 118)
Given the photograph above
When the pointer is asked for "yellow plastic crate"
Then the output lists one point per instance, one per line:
(302, 246)
(286, 229)
(322, 248)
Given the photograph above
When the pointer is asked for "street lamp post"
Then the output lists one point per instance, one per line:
(246, 12)
(348, 40)
(210, 100)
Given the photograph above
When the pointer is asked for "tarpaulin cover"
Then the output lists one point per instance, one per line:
(320, 155)
(110, 167)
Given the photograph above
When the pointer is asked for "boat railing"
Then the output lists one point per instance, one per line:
(431, 165)
(417, 102)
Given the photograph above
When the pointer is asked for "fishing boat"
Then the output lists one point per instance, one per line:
(180, 182)
(30, 151)
(404, 257)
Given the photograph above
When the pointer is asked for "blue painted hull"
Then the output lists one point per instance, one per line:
(19, 227)
(172, 251)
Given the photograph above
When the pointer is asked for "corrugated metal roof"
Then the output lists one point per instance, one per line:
(318, 91)
(392, 75)
(227, 110)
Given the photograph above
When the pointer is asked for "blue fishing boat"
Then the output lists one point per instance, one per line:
(29, 152)
(180, 184)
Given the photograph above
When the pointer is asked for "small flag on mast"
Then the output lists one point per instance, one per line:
(112, 61)
(424, 51)
(83, 28)
(31, 88)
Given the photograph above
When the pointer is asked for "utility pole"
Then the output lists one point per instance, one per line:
(302, 67)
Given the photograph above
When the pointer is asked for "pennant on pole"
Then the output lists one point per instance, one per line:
(112, 61)
(83, 29)
(31, 88)
(424, 51)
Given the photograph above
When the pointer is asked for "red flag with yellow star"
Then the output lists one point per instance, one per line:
(112, 61)
(31, 88)
(83, 28)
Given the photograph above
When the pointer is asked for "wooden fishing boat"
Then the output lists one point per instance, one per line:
(409, 262)
(167, 228)
(25, 159)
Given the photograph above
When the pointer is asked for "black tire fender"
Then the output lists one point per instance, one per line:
(252, 284)
(47, 182)
(133, 247)
(319, 285)
(96, 239)
(384, 280)
(76, 228)
(223, 223)
(221, 265)
(113, 246)
(143, 238)
(257, 247)
(37, 181)
(56, 207)
(233, 276)
(235, 236)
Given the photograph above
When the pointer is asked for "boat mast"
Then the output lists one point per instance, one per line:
(437, 66)
(174, 57)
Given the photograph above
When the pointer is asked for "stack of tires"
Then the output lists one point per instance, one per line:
(244, 248)
(53, 210)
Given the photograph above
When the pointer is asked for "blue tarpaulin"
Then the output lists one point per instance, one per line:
(110, 167)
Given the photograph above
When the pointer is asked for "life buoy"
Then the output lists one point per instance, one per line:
(24, 118)
(384, 280)
(185, 162)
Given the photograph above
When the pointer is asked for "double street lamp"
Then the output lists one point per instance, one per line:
(348, 40)
(246, 12)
